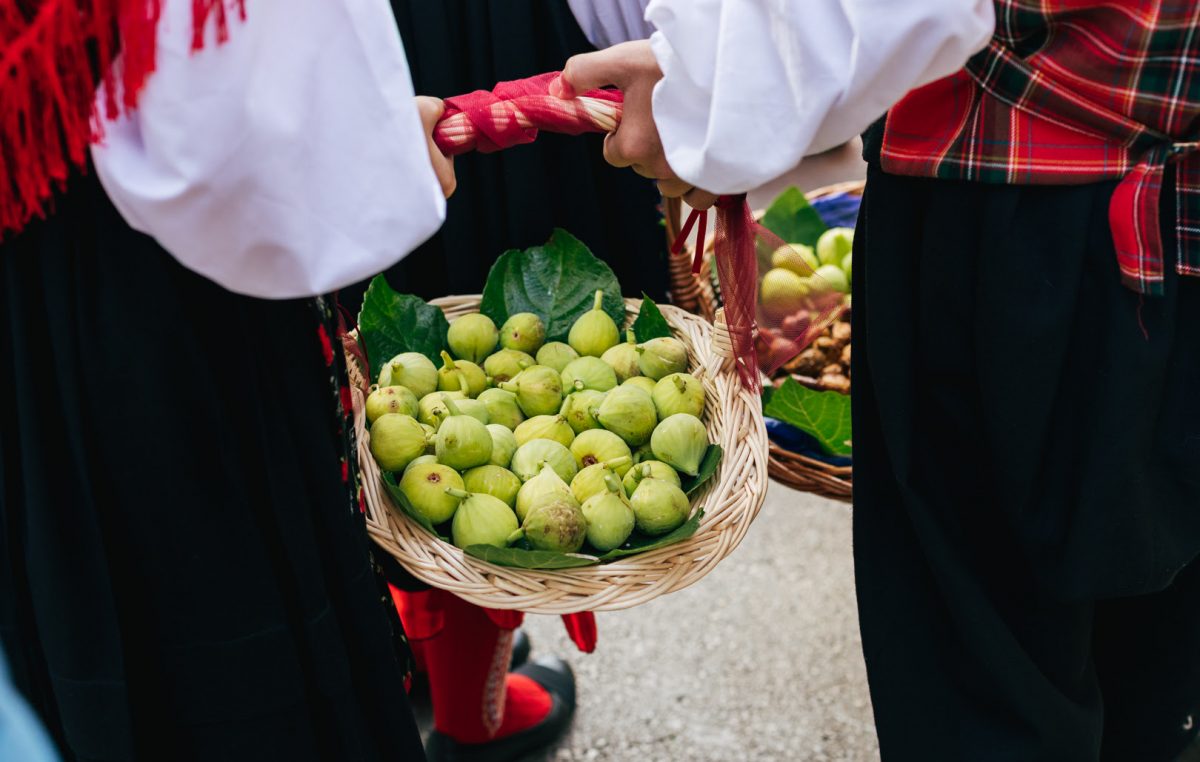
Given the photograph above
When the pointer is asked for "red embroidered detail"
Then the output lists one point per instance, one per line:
(326, 346)
(345, 471)
(347, 401)
(50, 111)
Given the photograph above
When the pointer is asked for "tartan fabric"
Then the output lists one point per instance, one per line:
(1071, 92)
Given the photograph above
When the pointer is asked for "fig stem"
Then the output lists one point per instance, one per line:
(629, 337)
(458, 493)
(463, 386)
(449, 403)
(517, 535)
(578, 385)
(596, 305)
(611, 482)
(616, 463)
(680, 383)
(448, 361)
(509, 386)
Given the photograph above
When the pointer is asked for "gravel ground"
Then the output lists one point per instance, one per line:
(758, 661)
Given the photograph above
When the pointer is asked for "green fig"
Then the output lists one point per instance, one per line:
(430, 435)
(591, 480)
(641, 382)
(610, 518)
(545, 427)
(597, 446)
(422, 459)
(588, 373)
(454, 373)
(472, 337)
(531, 456)
(623, 358)
(538, 390)
(482, 519)
(557, 525)
(432, 410)
(504, 445)
(834, 244)
(783, 292)
(425, 487)
(577, 409)
(659, 506)
(648, 469)
(502, 408)
(396, 440)
(662, 357)
(643, 453)
(462, 441)
(594, 332)
(628, 412)
(848, 268)
(678, 393)
(680, 441)
(506, 364)
(831, 278)
(524, 332)
(495, 481)
(390, 399)
(796, 257)
(544, 487)
(556, 354)
(412, 370)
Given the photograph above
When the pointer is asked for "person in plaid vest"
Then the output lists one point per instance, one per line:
(1027, 314)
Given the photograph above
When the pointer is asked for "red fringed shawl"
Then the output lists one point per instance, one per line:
(48, 108)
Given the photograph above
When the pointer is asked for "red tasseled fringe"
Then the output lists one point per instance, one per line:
(48, 86)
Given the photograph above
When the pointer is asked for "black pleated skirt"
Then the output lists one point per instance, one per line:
(1027, 478)
(185, 575)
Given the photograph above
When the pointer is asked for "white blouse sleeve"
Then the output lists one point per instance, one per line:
(289, 161)
(752, 86)
(608, 22)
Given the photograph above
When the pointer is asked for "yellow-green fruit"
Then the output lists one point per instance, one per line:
(659, 506)
(454, 373)
(396, 440)
(538, 390)
(390, 399)
(848, 268)
(834, 244)
(796, 257)
(610, 518)
(628, 412)
(680, 441)
(623, 359)
(678, 393)
(427, 458)
(832, 278)
(482, 519)
(649, 469)
(645, 383)
(412, 370)
(504, 445)
(506, 364)
(430, 433)
(643, 453)
(662, 357)
(425, 487)
(598, 446)
(594, 332)
(557, 525)
(588, 373)
(592, 480)
(502, 407)
(531, 456)
(462, 441)
(432, 410)
(495, 481)
(547, 485)
(524, 332)
(472, 337)
(556, 354)
(553, 427)
(577, 409)
(783, 292)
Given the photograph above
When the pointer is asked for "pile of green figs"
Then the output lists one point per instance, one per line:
(553, 445)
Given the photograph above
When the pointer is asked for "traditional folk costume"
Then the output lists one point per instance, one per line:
(1027, 452)
(185, 570)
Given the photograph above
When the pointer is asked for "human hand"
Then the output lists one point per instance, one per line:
(635, 143)
(431, 110)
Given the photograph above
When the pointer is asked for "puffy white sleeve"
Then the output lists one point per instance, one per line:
(289, 161)
(752, 86)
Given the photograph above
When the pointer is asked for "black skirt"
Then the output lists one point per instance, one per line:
(185, 573)
(1027, 478)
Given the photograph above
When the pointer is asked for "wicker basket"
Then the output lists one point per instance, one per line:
(696, 294)
(731, 501)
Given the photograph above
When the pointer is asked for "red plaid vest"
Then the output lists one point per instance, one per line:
(1074, 91)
